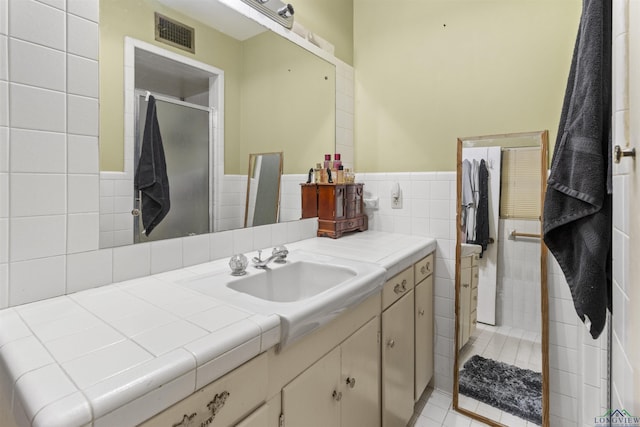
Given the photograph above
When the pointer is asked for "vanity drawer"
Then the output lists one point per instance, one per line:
(221, 403)
(475, 258)
(423, 268)
(465, 261)
(349, 224)
(474, 277)
(396, 287)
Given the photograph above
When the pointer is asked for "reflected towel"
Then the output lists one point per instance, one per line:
(151, 174)
(577, 208)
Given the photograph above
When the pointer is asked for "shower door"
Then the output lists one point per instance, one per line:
(185, 130)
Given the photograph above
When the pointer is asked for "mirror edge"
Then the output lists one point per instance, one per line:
(544, 292)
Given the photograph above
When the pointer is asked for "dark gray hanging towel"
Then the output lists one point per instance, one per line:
(577, 208)
(151, 174)
(482, 214)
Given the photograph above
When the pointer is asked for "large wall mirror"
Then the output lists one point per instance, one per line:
(501, 352)
(263, 92)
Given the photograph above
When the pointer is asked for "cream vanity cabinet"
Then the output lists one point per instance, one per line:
(224, 402)
(423, 294)
(468, 297)
(398, 349)
(340, 389)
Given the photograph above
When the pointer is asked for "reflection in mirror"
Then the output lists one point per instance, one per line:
(186, 141)
(266, 94)
(501, 360)
(263, 189)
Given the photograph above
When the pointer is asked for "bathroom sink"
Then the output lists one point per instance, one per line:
(294, 281)
(306, 292)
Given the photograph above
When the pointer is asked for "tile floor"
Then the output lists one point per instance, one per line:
(509, 345)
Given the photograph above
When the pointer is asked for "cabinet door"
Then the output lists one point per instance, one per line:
(397, 362)
(258, 418)
(313, 398)
(361, 377)
(424, 335)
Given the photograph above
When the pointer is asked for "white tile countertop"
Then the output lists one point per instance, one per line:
(118, 354)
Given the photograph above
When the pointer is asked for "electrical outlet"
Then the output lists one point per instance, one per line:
(396, 202)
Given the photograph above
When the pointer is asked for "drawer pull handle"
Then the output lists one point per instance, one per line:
(465, 285)
(351, 382)
(421, 312)
(400, 287)
(337, 395)
(391, 343)
(423, 269)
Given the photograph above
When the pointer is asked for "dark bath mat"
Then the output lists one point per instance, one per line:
(509, 388)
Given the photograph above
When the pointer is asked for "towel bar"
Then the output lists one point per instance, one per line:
(515, 234)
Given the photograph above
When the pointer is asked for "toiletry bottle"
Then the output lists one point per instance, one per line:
(316, 173)
(336, 161)
(327, 161)
(340, 178)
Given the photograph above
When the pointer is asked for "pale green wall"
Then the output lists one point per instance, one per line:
(330, 19)
(430, 71)
(281, 81)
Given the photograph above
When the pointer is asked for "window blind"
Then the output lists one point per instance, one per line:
(520, 183)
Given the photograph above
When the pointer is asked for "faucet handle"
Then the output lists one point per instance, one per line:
(282, 253)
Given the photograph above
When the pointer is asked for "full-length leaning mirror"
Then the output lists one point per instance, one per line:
(263, 189)
(501, 358)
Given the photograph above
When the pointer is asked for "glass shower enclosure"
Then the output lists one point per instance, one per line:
(186, 137)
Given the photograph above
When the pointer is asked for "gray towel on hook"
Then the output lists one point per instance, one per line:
(577, 208)
(151, 174)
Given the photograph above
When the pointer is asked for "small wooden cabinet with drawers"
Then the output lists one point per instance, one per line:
(339, 207)
(468, 298)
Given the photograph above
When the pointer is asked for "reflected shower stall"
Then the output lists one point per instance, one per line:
(186, 137)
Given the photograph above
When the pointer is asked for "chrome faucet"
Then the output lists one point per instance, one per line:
(279, 254)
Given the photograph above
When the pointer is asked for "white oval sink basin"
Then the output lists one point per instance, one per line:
(306, 293)
(293, 281)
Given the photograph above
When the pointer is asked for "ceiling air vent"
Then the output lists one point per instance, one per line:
(175, 33)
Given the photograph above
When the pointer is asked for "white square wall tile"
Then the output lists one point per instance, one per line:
(40, 236)
(82, 232)
(83, 156)
(4, 286)
(35, 108)
(83, 115)
(88, 9)
(4, 103)
(37, 279)
(38, 194)
(4, 149)
(87, 270)
(4, 17)
(28, 60)
(84, 193)
(195, 249)
(4, 52)
(131, 261)
(166, 255)
(38, 152)
(82, 76)
(83, 37)
(22, 16)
